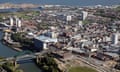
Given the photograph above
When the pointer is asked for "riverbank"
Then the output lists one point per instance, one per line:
(14, 48)
(5, 42)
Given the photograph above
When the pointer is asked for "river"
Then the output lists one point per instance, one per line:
(7, 52)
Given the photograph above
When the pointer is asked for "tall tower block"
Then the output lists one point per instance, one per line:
(11, 21)
(115, 38)
(84, 15)
(69, 18)
(19, 23)
(16, 21)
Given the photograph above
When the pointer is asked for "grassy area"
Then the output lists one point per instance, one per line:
(81, 69)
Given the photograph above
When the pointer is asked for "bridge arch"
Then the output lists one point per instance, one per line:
(23, 53)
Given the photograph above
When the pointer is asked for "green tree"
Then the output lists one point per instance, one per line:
(48, 64)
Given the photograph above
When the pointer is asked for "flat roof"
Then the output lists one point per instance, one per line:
(46, 39)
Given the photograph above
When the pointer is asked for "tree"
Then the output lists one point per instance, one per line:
(48, 64)
(20, 37)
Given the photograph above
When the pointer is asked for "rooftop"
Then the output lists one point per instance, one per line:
(46, 39)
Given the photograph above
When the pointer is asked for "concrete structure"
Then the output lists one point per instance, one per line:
(16, 20)
(115, 38)
(42, 41)
(26, 56)
(84, 15)
(11, 21)
(68, 18)
(51, 34)
(80, 24)
(19, 23)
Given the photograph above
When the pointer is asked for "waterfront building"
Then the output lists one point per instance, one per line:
(41, 42)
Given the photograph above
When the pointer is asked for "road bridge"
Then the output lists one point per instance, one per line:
(24, 56)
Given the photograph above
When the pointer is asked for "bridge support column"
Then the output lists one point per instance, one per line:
(37, 59)
(14, 63)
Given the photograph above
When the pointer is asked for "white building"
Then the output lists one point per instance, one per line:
(84, 15)
(69, 18)
(42, 41)
(80, 23)
(16, 20)
(115, 38)
(51, 34)
(19, 23)
(11, 21)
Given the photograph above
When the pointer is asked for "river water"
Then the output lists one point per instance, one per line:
(7, 52)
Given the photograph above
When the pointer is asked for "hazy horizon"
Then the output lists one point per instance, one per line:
(66, 2)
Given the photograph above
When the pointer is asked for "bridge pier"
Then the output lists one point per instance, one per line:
(14, 62)
(38, 58)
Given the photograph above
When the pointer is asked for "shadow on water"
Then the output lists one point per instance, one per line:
(25, 61)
